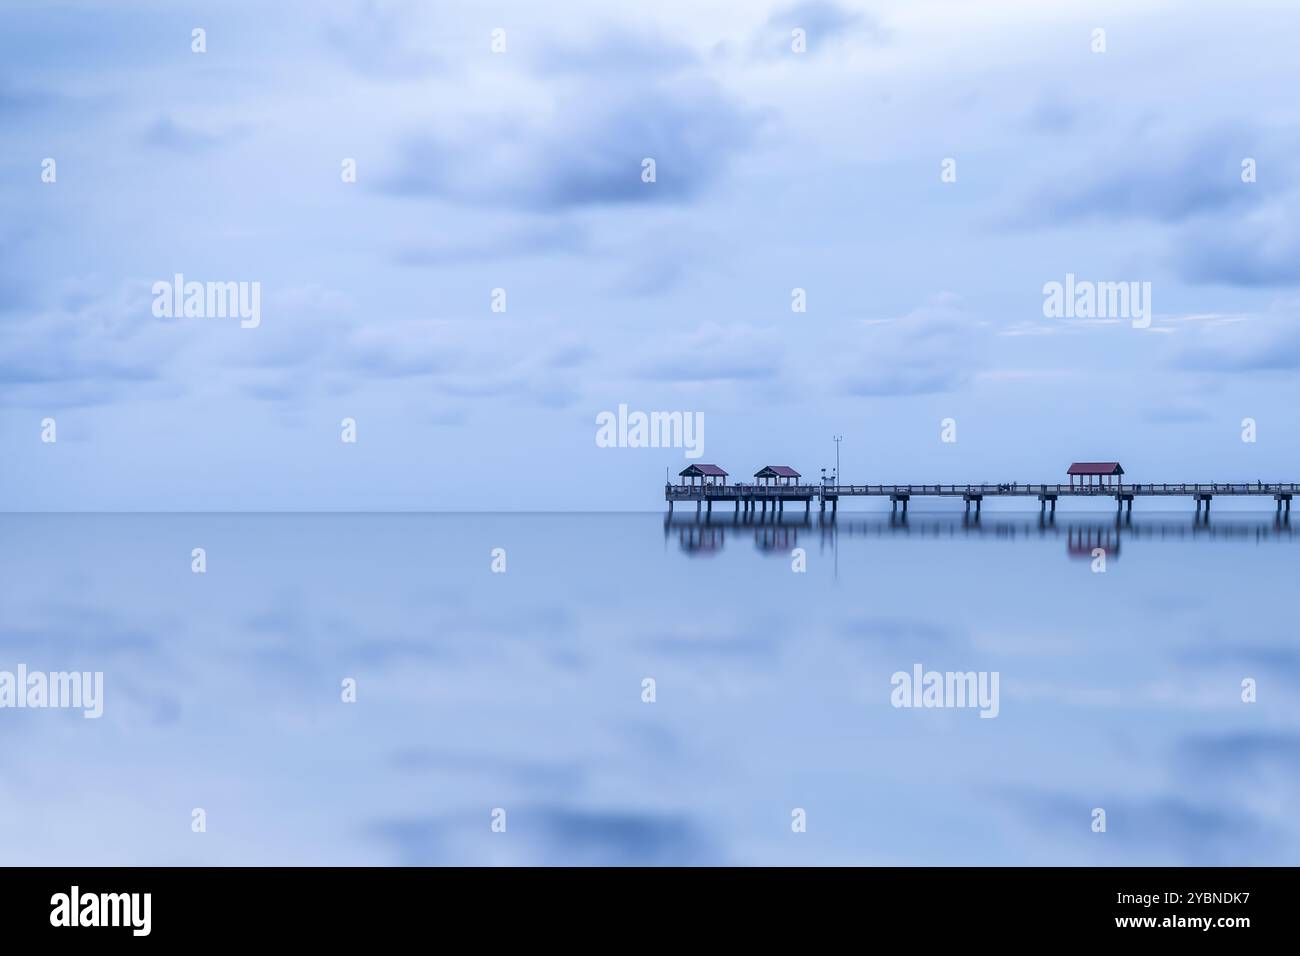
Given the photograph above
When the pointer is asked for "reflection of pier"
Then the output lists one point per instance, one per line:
(1083, 540)
(708, 537)
(705, 534)
(701, 539)
(776, 537)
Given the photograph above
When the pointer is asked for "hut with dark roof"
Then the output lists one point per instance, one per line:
(705, 474)
(777, 475)
(1099, 473)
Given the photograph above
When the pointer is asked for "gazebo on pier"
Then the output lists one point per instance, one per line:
(777, 475)
(1097, 474)
(704, 474)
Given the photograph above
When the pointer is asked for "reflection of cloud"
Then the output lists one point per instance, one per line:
(1246, 752)
(614, 838)
(1278, 660)
(550, 835)
(896, 632)
(534, 774)
(1154, 829)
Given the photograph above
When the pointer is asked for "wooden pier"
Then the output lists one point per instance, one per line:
(753, 499)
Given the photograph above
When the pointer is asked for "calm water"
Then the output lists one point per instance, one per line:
(1119, 690)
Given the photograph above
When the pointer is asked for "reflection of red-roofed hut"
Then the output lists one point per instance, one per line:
(1099, 474)
(777, 475)
(705, 474)
(1081, 542)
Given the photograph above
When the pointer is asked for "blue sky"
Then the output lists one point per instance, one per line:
(522, 170)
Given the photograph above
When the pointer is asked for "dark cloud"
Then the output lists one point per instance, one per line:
(588, 150)
(1175, 414)
(714, 353)
(1256, 344)
(166, 133)
(1159, 176)
(380, 40)
(1257, 250)
(1052, 114)
(613, 51)
(823, 23)
(84, 348)
(535, 239)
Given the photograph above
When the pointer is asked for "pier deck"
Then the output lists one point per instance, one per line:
(749, 497)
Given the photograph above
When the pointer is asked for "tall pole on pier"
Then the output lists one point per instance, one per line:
(838, 439)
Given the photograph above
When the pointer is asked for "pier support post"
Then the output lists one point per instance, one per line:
(710, 509)
(670, 507)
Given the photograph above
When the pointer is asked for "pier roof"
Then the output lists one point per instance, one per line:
(1095, 468)
(777, 471)
(702, 471)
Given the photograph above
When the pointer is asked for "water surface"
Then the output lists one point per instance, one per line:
(523, 690)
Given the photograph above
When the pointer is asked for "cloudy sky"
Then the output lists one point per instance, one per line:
(522, 170)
